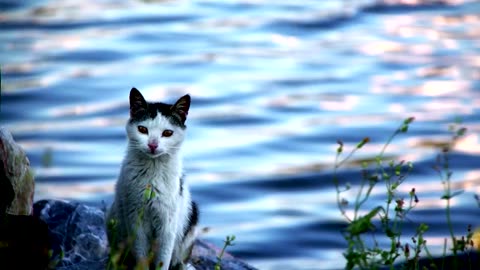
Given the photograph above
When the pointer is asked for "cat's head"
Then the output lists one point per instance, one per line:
(156, 129)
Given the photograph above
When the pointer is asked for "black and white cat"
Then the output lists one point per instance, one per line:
(152, 219)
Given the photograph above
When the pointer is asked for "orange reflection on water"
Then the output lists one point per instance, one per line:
(471, 182)
(469, 144)
(476, 238)
(474, 60)
(382, 47)
(438, 71)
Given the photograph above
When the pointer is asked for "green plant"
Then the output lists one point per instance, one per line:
(119, 256)
(47, 157)
(228, 242)
(390, 217)
(358, 253)
(55, 260)
(443, 168)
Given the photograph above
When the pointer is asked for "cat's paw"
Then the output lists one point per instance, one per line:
(182, 266)
(189, 267)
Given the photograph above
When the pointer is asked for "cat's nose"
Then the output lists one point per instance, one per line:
(152, 146)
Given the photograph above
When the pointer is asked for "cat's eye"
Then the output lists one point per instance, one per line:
(167, 133)
(142, 130)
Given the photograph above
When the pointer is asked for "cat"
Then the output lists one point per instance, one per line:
(152, 220)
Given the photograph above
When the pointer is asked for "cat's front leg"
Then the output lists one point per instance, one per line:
(165, 243)
(163, 248)
(140, 246)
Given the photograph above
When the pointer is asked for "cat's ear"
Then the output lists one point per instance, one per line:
(138, 105)
(181, 107)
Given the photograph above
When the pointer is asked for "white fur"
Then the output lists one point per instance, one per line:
(165, 216)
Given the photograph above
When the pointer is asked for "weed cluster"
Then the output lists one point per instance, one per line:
(228, 242)
(120, 257)
(364, 254)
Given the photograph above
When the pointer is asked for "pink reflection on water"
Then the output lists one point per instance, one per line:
(36, 126)
(65, 42)
(382, 47)
(287, 41)
(441, 88)
(75, 191)
(329, 102)
(448, 79)
(469, 144)
(83, 109)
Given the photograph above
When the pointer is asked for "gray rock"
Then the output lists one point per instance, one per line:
(77, 232)
(24, 238)
(15, 174)
(204, 257)
(79, 240)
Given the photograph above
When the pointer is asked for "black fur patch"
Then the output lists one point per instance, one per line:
(192, 219)
(141, 110)
(152, 111)
(181, 185)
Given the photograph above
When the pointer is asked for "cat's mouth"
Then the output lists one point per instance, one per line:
(155, 153)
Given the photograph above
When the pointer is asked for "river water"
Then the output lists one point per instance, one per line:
(274, 84)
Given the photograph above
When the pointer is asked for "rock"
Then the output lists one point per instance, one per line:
(24, 243)
(79, 240)
(77, 232)
(16, 170)
(24, 240)
(6, 191)
(204, 257)
(464, 260)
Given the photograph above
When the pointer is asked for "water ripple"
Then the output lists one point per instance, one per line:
(274, 85)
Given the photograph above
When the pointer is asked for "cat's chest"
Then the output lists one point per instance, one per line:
(161, 200)
(162, 172)
(161, 180)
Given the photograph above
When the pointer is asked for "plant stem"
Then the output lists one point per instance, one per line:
(228, 242)
(337, 187)
(357, 200)
(444, 253)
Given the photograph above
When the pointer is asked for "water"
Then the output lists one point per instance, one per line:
(274, 85)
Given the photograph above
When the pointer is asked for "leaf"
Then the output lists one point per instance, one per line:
(448, 196)
(408, 120)
(152, 194)
(456, 193)
(146, 194)
(422, 228)
(461, 132)
(363, 142)
(390, 233)
(364, 223)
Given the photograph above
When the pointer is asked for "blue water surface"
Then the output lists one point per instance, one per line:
(274, 84)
